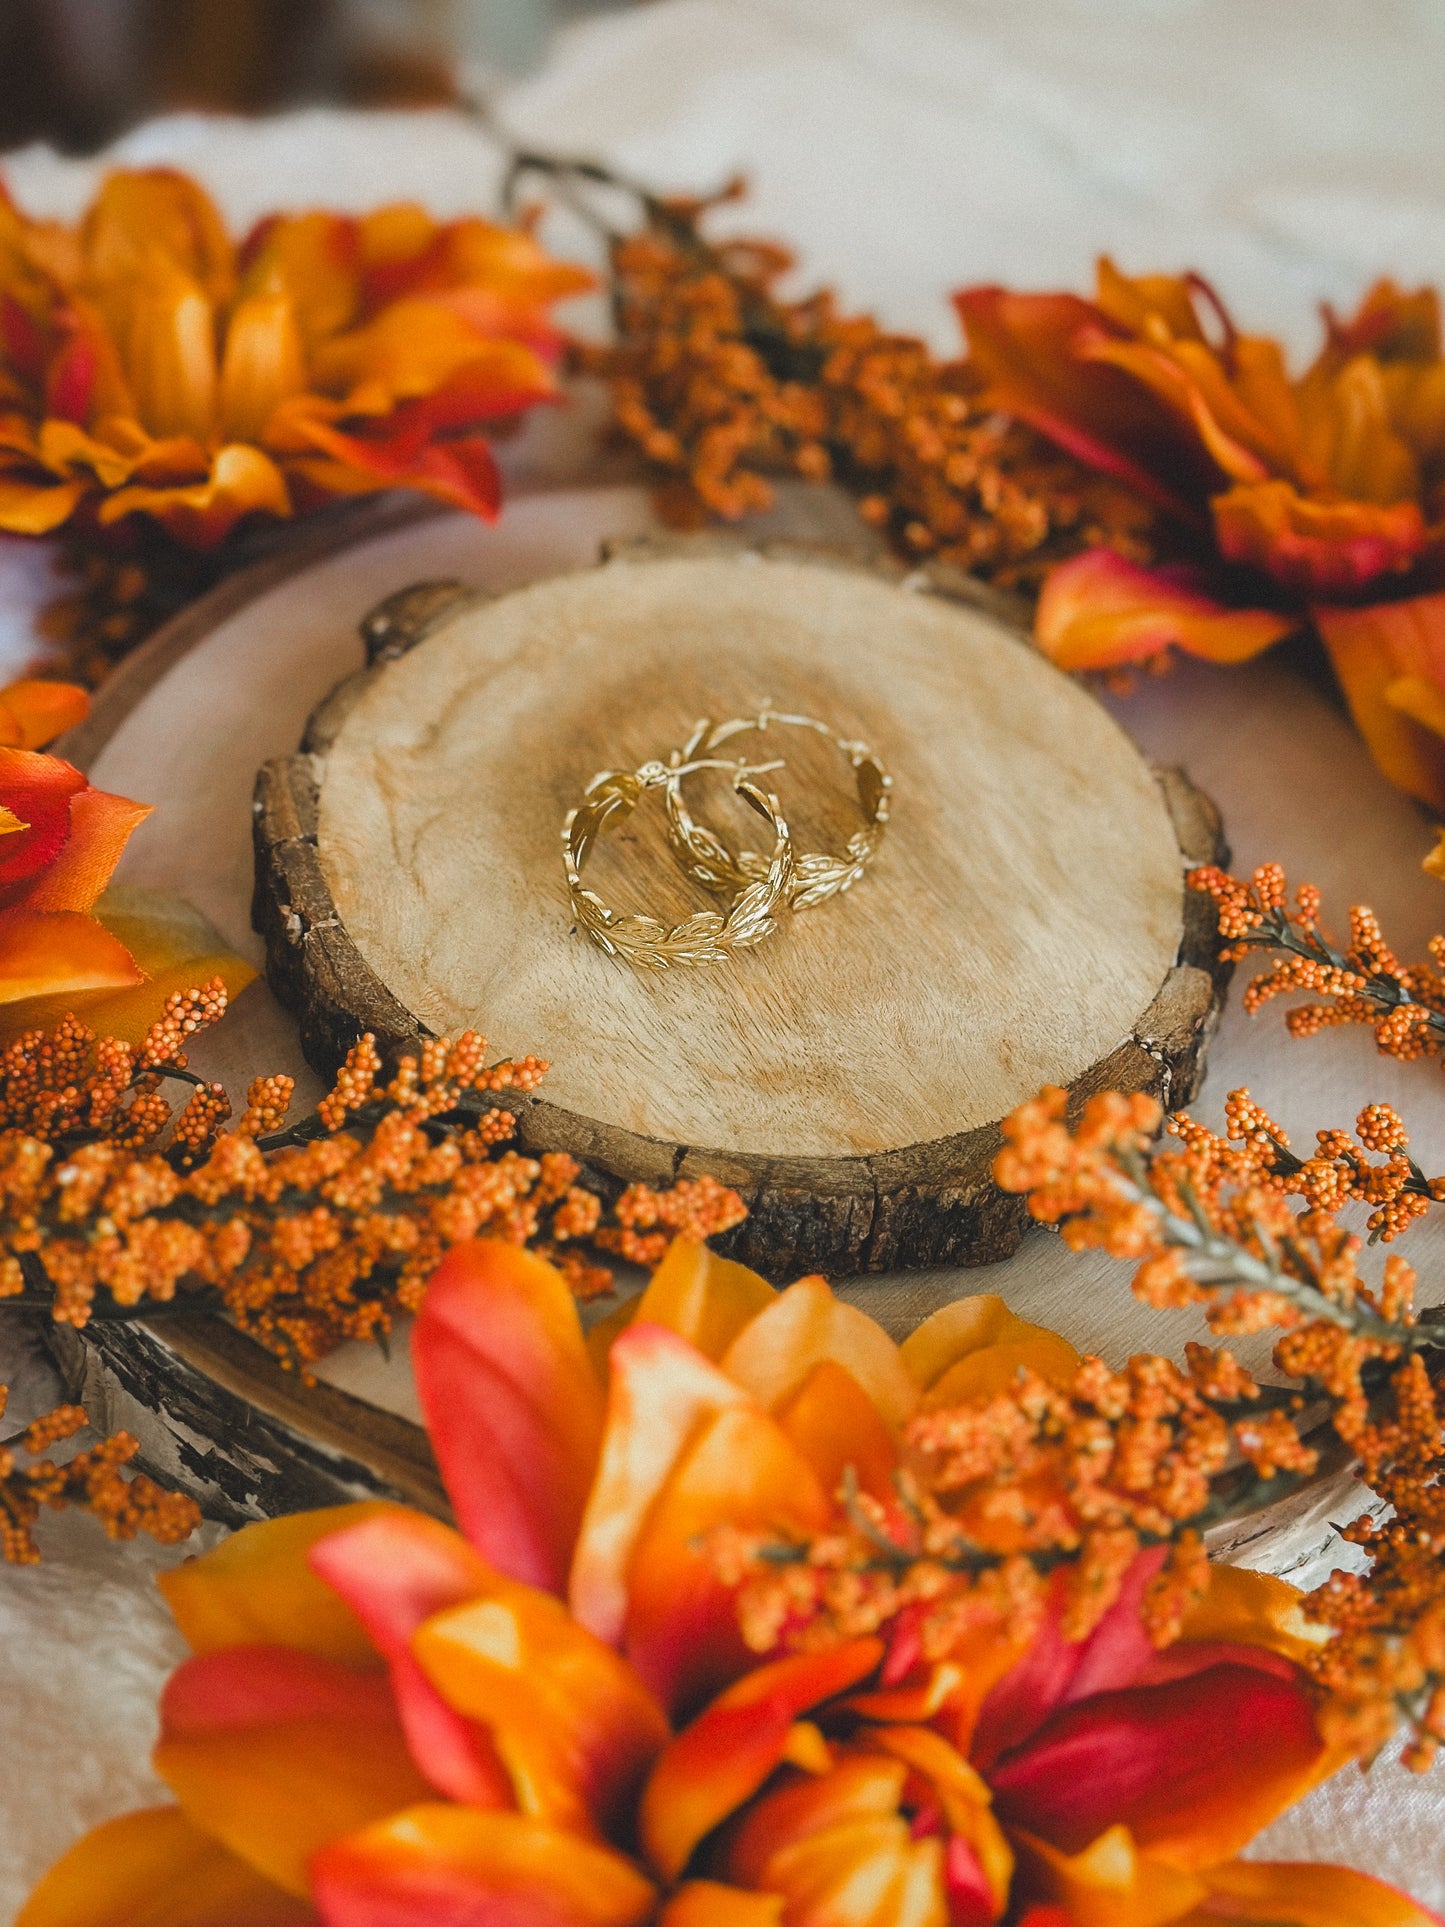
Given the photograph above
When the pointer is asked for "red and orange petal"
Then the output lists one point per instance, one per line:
(164, 325)
(980, 1862)
(262, 366)
(403, 251)
(1189, 380)
(71, 379)
(727, 1753)
(38, 790)
(242, 481)
(513, 1406)
(1108, 1883)
(861, 1786)
(36, 505)
(415, 348)
(155, 1866)
(442, 1863)
(573, 1725)
(1317, 547)
(460, 472)
(1388, 323)
(1388, 656)
(481, 255)
(275, 1752)
(992, 1369)
(1053, 1671)
(140, 212)
(395, 1570)
(59, 953)
(805, 1324)
(1138, 302)
(709, 1903)
(682, 1633)
(837, 1429)
(311, 259)
(172, 943)
(703, 1298)
(1099, 611)
(1305, 1894)
(659, 1390)
(100, 827)
(1028, 347)
(1194, 1768)
(1350, 427)
(65, 448)
(1247, 1608)
(257, 1588)
(962, 1330)
(33, 714)
(870, 1871)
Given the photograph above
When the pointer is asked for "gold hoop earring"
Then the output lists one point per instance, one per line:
(708, 937)
(818, 876)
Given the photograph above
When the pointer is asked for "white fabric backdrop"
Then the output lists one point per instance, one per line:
(1289, 152)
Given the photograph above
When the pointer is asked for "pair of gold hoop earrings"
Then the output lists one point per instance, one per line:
(758, 886)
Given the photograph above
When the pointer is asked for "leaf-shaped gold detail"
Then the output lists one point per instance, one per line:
(819, 875)
(706, 937)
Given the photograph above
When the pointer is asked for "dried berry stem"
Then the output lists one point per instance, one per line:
(303, 1233)
(1362, 983)
(1064, 1483)
(720, 382)
(90, 1480)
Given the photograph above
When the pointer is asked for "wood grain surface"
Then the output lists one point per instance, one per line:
(1024, 923)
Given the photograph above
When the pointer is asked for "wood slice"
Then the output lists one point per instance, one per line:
(185, 723)
(1024, 923)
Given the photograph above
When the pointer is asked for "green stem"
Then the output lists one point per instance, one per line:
(1225, 1263)
(1377, 987)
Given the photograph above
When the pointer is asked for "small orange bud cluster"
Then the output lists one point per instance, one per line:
(720, 382)
(305, 1234)
(116, 596)
(1364, 983)
(1041, 1487)
(1385, 1664)
(695, 1208)
(91, 1480)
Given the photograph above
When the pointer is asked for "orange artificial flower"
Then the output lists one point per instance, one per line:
(60, 839)
(550, 1719)
(1320, 496)
(151, 366)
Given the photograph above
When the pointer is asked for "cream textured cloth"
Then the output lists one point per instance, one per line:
(1291, 153)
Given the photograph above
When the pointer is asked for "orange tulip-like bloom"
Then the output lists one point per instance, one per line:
(549, 1718)
(60, 839)
(150, 366)
(1318, 495)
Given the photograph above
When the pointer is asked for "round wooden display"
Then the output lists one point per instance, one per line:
(1023, 924)
(186, 720)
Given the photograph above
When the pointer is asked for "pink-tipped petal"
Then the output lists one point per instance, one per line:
(659, 1390)
(513, 1405)
(394, 1572)
(1099, 611)
(274, 1752)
